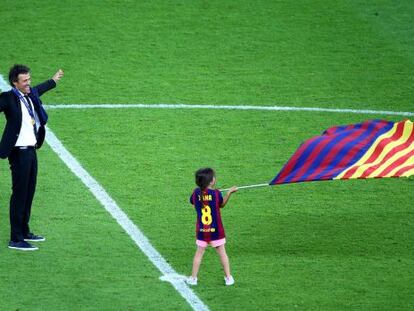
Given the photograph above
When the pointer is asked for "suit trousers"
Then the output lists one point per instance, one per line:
(23, 166)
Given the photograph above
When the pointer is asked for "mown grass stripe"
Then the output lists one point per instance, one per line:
(228, 107)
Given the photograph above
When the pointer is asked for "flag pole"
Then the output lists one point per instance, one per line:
(245, 187)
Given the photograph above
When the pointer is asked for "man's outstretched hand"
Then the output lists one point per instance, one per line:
(58, 75)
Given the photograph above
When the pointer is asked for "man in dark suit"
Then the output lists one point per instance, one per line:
(23, 134)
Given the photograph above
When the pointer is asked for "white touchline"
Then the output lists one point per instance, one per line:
(168, 273)
(4, 86)
(228, 107)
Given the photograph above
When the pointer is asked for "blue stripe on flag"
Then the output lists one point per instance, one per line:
(302, 159)
(327, 149)
(344, 151)
(363, 150)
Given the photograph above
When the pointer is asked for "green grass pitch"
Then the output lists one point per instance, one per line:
(340, 245)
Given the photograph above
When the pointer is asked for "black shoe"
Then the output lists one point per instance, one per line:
(34, 238)
(22, 246)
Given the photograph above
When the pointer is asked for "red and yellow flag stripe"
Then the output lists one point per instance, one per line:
(391, 155)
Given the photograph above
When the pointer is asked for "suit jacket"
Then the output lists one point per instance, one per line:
(10, 105)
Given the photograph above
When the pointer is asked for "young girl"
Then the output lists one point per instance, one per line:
(207, 202)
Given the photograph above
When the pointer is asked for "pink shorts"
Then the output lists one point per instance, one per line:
(214, 243)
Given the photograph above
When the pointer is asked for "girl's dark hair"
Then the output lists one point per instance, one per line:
(15, 71)
(203, 177)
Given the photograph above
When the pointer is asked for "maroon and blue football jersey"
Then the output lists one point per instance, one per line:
(207, 205)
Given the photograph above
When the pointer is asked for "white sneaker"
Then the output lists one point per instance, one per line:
(229, 280)
(191, 280)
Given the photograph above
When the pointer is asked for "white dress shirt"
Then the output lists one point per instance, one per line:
(26, 134)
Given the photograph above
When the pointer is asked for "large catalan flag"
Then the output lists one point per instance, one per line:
(373, 149)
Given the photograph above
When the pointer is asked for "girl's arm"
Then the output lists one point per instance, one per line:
(228, 194)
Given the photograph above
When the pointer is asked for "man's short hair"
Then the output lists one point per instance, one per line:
(15, 71)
